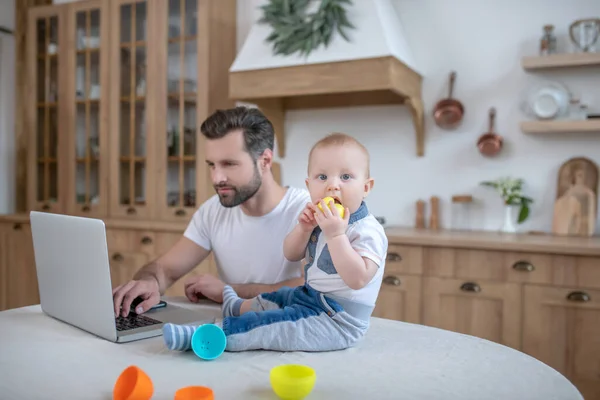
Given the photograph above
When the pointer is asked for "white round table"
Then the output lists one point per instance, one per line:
(41, 358)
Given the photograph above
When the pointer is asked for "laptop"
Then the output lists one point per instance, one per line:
(73, 272)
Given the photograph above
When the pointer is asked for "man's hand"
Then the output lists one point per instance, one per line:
(123, 296)
(204, 286)
(330, 221)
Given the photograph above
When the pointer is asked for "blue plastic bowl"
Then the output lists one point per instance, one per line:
(209, 341)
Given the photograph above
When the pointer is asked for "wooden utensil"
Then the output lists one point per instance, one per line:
(490, 143)
(576, 204)
(420, 218)
(448, 113)
(434, 217)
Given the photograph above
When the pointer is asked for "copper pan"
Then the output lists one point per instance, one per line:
(490, 143)
(448, 113)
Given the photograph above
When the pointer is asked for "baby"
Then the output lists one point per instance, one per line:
(345, 261)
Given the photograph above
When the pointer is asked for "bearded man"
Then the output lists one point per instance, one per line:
(243, 224)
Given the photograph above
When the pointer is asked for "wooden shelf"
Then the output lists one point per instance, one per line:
(567, 60)
(584, 126)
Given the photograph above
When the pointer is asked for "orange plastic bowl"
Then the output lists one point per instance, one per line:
(194, 393)
(133, 384)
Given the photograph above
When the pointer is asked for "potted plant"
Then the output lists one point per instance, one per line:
(511, 192)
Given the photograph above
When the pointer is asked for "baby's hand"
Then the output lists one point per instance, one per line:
(330, 221)
(307, 218)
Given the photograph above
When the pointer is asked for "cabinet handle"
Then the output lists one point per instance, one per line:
(470, 287)
(85, 208)
(131, 211)
(46, 207)
(17, 227)
(392, 280)
(180, 213)
(146, 240)
(578, 296)
(523, 266)
(393, 257)
(117, 257)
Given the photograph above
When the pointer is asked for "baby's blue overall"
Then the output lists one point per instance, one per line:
(299, 319)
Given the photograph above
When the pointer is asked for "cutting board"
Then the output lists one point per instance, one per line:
(576, 204)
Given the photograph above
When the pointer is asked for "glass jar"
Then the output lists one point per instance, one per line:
(461, 212)
(548, 41)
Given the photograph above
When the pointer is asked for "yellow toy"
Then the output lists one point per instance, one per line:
(292, 381)
(339, 207)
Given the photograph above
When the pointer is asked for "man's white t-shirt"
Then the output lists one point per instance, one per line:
(249, 249)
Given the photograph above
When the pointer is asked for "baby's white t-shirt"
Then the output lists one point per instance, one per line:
(367, 237)
(249, 249)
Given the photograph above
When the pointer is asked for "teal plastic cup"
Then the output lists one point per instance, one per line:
(209, 341)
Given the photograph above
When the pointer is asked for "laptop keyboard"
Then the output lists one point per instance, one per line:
(133, 321)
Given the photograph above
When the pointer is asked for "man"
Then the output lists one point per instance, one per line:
(244, 224)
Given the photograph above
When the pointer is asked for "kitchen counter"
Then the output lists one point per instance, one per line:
(488, 240)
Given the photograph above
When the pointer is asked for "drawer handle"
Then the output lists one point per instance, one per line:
(579, 296)
(46, 207)
(131, 211)
(470, 287)
(117, 257)
(146, 240)
(393, 257)
(180, 213)
(523, 266)
(85, 208)
(17, 227)
(392, 280)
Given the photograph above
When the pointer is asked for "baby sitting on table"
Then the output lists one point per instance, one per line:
(345, 261)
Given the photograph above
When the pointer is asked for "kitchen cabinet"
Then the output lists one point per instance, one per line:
(534, 293)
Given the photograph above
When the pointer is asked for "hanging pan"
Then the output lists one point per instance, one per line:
(448, 113)
(490, 143)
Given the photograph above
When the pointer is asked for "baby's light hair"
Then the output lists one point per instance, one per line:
(341, 139)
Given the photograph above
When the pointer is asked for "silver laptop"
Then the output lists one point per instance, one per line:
(73, 272)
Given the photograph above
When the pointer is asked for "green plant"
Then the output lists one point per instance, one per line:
(296, 30)
(511, 191)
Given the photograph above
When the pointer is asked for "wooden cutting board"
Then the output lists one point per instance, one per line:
(576, 204)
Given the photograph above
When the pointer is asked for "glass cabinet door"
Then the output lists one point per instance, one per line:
(87, 102)
(45, 44)
(182, 176)
(131, 114)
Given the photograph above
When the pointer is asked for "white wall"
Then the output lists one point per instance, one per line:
(7, 109)
(483, 41)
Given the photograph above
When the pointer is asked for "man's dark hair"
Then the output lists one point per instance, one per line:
(257, 129)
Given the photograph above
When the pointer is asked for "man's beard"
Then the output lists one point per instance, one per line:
(242, 193)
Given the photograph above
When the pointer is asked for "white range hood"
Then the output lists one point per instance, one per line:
(375, 67)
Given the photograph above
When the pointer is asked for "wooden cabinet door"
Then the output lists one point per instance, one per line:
(45, 120)
(86, 93)
(18, 273)
(562, 329)
(183, 89)
(132, 133)
(399, 298)
(489, 310)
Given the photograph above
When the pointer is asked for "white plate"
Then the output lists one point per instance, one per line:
(549, 101)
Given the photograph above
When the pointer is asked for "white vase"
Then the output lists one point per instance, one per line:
(509, 225)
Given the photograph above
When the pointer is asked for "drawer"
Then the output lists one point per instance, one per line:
(518, 267)
(404, 259)
(555, 270)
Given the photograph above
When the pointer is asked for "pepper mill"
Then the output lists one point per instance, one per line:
(420, 219)
(434, 220)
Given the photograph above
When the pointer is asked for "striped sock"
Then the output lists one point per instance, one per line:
(178, 337)
(231, 302)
